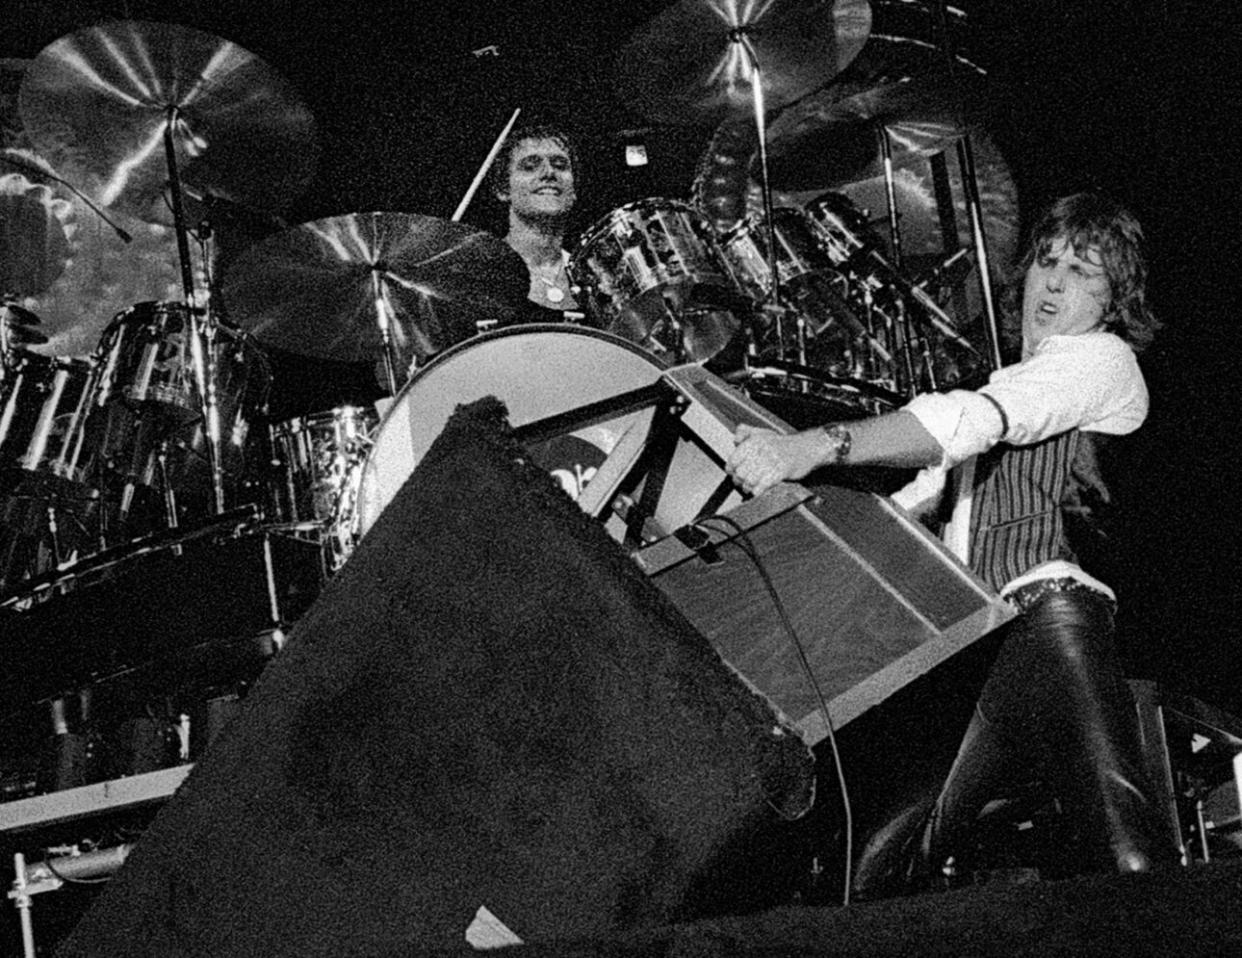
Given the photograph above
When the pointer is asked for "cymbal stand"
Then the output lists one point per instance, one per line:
(906, 333)
(204, 365)
(970, 185)
(383, 319)
(773, 305)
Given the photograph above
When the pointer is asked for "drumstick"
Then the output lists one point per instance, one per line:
(487, 165)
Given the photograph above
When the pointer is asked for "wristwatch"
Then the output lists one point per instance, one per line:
(839, 442)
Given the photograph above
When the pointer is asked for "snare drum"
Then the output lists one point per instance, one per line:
(652, 274)
(319, 461)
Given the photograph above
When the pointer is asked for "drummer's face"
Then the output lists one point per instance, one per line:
(541, 179)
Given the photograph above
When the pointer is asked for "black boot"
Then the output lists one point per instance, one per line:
(911, 853)
(1092, 746)
(1058, 689)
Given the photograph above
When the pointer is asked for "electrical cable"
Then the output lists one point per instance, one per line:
(747, 546)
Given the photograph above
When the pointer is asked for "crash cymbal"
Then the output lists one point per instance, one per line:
(96, 105)
(685, 65)
(827, 140)
(312, 289)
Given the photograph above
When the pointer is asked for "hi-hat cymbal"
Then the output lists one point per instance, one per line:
(322, 288)
(687, 66)
(97, 103)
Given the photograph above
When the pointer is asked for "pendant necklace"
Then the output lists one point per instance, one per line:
(551, 291)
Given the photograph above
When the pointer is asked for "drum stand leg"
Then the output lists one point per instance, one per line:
(53, 533)
(673, 317)
(273, 595)
(170, 495)
(21, 896)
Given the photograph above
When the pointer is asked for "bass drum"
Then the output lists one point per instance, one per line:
(538, 371)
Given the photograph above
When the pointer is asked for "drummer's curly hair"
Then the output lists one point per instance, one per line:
(1099, 221)
(498, 175)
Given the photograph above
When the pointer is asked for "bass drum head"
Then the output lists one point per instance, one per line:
(537, 371)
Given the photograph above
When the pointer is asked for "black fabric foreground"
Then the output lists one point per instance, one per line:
(490, 706)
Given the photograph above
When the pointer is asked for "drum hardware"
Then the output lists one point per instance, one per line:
(235, 523)
(817, 296)
(845, 236)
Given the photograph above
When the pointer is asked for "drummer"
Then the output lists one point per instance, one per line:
(533, 176)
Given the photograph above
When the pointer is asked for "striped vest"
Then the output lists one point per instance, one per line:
(1036, 503)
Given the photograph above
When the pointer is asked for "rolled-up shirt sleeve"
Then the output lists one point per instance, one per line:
(1089, 381)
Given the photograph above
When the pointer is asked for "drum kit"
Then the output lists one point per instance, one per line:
(151, 134)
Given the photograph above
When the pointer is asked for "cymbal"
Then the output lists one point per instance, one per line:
(827, 140)
(96, 104)
(312, 289)
(685, 65)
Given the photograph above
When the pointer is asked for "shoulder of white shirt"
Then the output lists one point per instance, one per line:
(1100, 341)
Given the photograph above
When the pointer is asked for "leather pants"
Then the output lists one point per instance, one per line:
(1057, 704)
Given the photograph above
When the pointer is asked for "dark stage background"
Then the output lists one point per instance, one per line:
(1138, 97)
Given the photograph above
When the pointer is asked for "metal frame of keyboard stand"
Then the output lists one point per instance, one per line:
(70, 805)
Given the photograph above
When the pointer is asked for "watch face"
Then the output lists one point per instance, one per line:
(840, 439)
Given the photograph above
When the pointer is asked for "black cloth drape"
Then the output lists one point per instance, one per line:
(489, 705)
